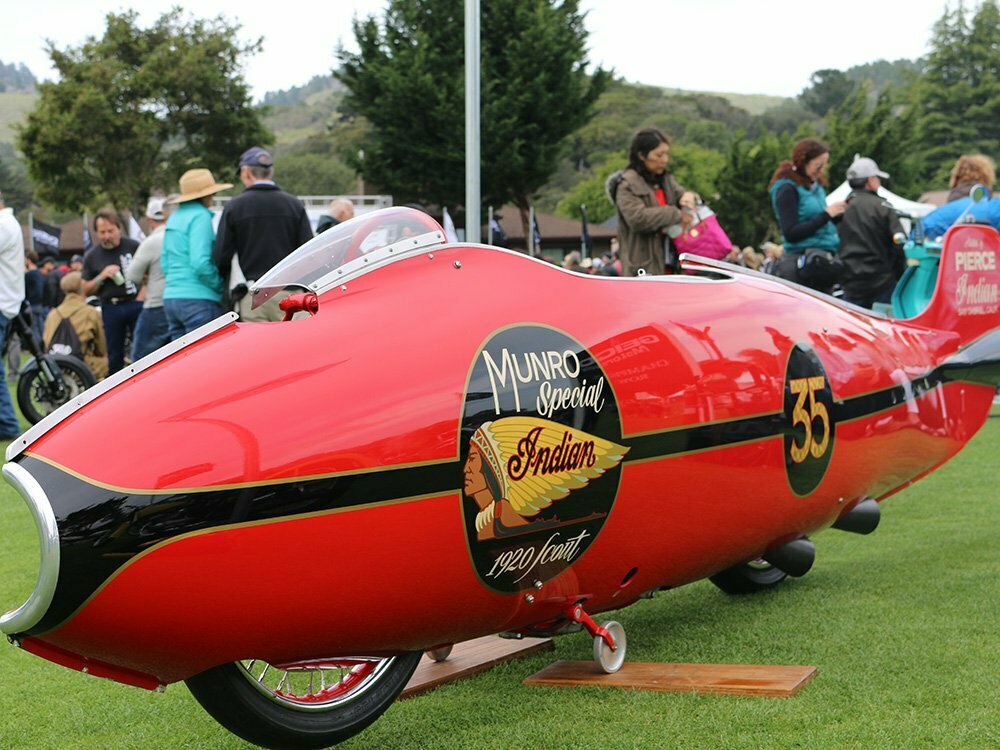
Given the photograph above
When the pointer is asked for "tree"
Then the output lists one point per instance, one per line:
(883, 132)
(313, 167)
(744, 203)
(408, 80)
(135, 108)
(960, 90)
(828, 89)
(15, 186)
(590, 192)
(787, 117)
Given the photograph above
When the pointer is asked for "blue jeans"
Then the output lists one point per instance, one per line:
(9, 426)
(184, 315)
(119, 320)
(151, 332)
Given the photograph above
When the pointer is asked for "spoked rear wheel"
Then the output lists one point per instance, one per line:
(749, 577)
(308, 704)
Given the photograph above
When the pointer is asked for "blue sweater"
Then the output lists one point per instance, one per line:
(936, 223)
(187, 255)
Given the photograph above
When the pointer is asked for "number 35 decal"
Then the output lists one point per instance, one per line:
(809, 429)
(800, 416)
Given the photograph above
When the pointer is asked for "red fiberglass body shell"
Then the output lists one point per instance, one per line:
(301, 489)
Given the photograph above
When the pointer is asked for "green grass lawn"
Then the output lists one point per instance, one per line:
(904, 626)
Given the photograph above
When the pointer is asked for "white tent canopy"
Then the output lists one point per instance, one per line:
(911, 207)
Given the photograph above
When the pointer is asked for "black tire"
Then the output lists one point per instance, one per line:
(36, 396)
(265, 716)
(748, 578)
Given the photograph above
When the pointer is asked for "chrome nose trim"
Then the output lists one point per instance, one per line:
(31, 612)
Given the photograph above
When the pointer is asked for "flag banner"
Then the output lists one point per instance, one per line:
(499, 236)
(586, 245)
(46, 238)
(449, 227)
(134, 230)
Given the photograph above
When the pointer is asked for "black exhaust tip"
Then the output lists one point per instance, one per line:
(863, 518)
(794, 558)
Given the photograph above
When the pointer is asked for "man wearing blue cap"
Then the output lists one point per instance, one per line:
(259, 227)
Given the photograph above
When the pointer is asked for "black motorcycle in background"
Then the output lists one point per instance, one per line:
(46, 381)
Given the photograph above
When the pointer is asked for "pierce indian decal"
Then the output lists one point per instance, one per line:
(976, 292)
(541, 456)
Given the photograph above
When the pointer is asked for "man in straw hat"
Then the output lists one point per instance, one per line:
(192, 295)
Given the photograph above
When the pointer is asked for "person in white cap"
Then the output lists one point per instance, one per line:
(874, 262)
(151, 328)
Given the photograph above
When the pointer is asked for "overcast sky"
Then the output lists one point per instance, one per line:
(739, 46)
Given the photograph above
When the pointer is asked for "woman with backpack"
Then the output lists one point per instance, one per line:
(75, 328)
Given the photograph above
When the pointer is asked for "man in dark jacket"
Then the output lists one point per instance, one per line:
(259, 227)
(867, 238)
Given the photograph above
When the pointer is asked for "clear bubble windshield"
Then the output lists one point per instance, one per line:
(341, 244)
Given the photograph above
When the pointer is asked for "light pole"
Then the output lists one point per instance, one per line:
(472, 191)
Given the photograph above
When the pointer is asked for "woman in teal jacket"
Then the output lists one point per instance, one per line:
(193, 292)
(806, 221)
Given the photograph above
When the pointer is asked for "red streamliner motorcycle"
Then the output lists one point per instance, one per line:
(469, 441)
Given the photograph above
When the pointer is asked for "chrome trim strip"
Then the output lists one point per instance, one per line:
(31, 612)
(378, 257)
(20, 444)
(647, 279)
(436, 241)
(694, 261)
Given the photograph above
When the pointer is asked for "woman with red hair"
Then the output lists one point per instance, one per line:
(799, 200)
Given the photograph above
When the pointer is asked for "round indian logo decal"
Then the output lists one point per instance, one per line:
(540, 454)
(809, 428)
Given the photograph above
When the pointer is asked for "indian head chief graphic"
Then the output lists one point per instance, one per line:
(518, 467)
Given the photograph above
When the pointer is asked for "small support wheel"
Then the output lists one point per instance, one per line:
(441, 653)
(610, 660)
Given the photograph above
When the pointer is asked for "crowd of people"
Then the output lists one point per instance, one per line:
(853, 244)
(183, 274)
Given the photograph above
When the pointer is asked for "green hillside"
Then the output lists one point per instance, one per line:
(14, 105)
(754, 104)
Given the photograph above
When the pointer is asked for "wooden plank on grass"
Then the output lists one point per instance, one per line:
(470, 658)
(771, 681)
